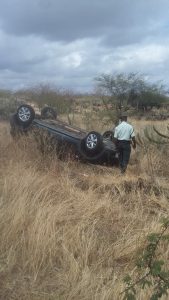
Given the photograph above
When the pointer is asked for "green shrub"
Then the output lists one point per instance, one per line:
(151, 269)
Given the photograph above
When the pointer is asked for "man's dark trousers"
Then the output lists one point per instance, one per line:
(124, 148)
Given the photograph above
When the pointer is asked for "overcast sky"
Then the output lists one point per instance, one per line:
(69, 42)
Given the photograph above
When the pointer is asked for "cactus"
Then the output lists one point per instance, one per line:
(161, 134)
(151, 136)
(154, 136)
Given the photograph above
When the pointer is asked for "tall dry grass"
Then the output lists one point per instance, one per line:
(72, 231)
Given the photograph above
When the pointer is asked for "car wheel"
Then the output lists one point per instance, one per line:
(92, 158)
(108, 135)
(25, 115)
(16, 130)
(48, 113)
(92, 143)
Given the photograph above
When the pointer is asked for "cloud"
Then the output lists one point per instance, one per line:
(71, 42)
(70, 20)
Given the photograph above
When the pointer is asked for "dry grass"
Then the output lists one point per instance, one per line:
(72, 231)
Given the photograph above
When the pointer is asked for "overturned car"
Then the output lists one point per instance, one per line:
(91, 146)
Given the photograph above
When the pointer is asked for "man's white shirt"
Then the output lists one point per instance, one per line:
(124, 131)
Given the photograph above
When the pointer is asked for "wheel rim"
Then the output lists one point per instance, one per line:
(24, 114)
(91, 141)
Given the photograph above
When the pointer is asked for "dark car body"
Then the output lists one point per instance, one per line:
(92, 147)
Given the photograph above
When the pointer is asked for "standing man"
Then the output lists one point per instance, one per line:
(124, 135)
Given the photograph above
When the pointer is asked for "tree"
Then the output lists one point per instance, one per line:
(117, 88)
(123, 91)
(45, 94)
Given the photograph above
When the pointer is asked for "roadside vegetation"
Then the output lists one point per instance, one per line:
(79, 231)
(113, 94)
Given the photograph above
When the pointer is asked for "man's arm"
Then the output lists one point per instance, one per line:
(133, 142)
(133, 139)
(115, 137)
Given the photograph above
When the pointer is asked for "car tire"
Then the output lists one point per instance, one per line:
(25, 115)
(92, 143)
(108, 135)
(91, 158)
(16, 130)
(48, 113)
